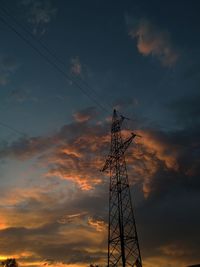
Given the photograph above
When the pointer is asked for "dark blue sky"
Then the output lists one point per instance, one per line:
(96, 32)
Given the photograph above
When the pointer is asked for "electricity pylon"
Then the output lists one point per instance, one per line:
(123, 245)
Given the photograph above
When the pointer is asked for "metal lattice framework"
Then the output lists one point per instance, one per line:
(123, 246)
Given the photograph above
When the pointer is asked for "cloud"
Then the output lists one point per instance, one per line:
(21, 96)
(8, 63)
(168, 230)
(85, 114)
(69, 243)
(36, 216)
(77, 152)
(79, 161)
(151, 40)
(76, 66)
(40, 14)
(65, 218)
(72, 218)
(25, 148)
(98, 224)
(31, 203)
(154, 151)
(8, 66)
(74, 153)
(4, 78)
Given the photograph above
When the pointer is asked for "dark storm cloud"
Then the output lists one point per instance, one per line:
(168, 219)
(170, 226)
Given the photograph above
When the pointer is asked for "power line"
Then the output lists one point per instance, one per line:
(51, 52)
(51, 62)
(12, 129)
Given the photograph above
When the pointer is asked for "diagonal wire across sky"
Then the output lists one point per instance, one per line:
(7, 18)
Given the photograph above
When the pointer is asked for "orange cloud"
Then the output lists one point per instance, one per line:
(61, 264)
(30, 207)
(153, 41)
(162, 150)
(72, 218)
(65, 220)
(84, 180)
(79, 161)
(78, 152)
(99, 225)
(145, 156)
(3, 223)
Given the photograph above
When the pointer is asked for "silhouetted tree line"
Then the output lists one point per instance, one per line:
(9, 263)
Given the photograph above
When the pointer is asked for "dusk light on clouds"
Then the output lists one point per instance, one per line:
(64, 67)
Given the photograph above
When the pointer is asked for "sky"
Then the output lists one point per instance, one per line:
(64, 67)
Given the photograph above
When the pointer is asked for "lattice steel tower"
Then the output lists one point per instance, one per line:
(123, 246)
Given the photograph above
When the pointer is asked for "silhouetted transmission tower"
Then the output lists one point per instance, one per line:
(123, 246)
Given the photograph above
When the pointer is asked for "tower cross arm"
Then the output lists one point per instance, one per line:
(121, 150)
(126, 144)
(107, 163)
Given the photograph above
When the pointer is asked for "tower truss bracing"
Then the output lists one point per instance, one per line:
(123, 246)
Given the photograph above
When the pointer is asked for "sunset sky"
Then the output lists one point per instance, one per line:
(64, 66)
